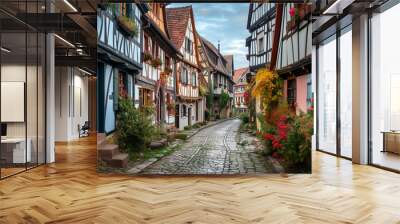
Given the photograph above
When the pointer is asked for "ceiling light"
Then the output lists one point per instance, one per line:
(64, 40)
(86, 72)
(5, 50)
(70, 5)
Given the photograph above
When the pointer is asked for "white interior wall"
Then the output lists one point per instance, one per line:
(71, 102)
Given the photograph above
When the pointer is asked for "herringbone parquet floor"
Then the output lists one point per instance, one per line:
(70, 191)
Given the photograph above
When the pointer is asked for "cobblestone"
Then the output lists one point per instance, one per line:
(214, 150)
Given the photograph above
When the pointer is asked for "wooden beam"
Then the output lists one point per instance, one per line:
(277, 34)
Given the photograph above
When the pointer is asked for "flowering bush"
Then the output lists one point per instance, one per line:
(287, 137)
(268, 86)
(246, 96)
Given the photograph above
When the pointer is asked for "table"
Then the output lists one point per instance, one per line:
(391, 141)
(13, 150)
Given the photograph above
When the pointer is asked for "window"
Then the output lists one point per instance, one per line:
(146, 43)
(260, 43)
(194, 79)
(145, 97)
(291, 92)
(185, 76)
(385, 88)
(346, 94)
(188, 45)
(327, 96)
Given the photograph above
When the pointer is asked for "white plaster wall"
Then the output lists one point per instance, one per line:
(69, 82)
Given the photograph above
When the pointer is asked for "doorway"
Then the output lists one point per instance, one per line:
(190, 116)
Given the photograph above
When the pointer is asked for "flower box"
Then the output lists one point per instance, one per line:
(298, 13)
(127, 25)
(147, 56)
(156, 62)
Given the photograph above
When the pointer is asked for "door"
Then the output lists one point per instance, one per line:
(189, 116)
(177, 116)
(197, 110)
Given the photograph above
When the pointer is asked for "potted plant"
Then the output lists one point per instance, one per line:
(128, 25)
(147, 56)
(167, 70)
(156, 62)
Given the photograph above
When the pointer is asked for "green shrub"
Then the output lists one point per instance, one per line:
(181, 136)
(159, 133)
(245, 118)
(187, 128)
(197, 125)
(135, 128)
(297, 147)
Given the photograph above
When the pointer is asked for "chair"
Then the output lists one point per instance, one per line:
(84, 130)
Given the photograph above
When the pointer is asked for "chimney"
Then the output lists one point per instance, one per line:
(218, 47)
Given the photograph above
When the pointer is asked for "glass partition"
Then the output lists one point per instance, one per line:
(385, 89)
(14, 143)
(346, 93)
(22, 101)
(326, 98)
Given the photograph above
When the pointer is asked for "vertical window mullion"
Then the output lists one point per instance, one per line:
(338, 72)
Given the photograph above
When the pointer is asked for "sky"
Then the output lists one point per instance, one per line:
(225, 22)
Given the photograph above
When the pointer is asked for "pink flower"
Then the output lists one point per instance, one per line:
(292, 11)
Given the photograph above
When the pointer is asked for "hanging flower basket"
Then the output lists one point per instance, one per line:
(156, 62)
(167, 70)
(147, 57)
(203, 90)
(128, 25)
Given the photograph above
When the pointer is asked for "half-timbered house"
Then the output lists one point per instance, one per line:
(181, 27)
(261, 24)
(156, 84)
(239, 89)
(280, 40)
(293, 60)
(119, 39)
(218, 71)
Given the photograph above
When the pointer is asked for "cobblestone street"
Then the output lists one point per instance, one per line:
(214, 150)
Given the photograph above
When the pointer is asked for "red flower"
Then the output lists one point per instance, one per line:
(283, 118)
(282, 135)
(275, 155)
(292, 11)
(269, 137)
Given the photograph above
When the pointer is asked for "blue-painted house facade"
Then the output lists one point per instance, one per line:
(119, 50)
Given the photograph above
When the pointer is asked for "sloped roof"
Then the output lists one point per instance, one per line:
(177, 22)
(209, 48)
(239, 73)
(229, 64)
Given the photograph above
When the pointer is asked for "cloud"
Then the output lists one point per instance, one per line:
(203, 26)
(224, 22)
